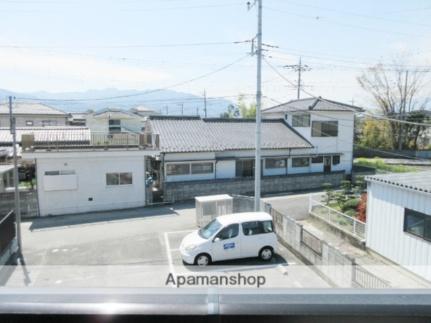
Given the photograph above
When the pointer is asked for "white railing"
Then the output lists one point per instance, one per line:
(336, 218)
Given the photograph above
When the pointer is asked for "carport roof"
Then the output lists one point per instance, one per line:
(419, 181)
(193, 134)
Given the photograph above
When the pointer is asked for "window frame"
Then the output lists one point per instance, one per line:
(426, 218)
(284, 160)
(296, 158)
(114, 127)
(298, 120)
(319, 157)
(118, 176)
(321, 133)
(63, 172)
(339, 160)
(202, 173)
(176, 165)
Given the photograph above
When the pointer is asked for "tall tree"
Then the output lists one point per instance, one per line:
(246, 110)
(397, 91)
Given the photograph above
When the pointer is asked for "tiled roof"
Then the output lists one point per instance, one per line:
(31, 108)
(312, 104)
(47, 134)
(419, 181)
(192, 134)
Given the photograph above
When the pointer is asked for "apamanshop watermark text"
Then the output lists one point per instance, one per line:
(234, 280)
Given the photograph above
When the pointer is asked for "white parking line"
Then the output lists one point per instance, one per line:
(180, 231)
(168, 254)
(245, 268)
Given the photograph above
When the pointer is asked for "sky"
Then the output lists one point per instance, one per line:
(65, 45)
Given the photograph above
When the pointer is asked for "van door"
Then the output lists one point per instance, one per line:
(251, 240)
(226, 244)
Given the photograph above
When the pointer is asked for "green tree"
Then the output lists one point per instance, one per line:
(246, 110)
(232, 112)
(375, 134)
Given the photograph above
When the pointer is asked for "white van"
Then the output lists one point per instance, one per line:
(240, 235)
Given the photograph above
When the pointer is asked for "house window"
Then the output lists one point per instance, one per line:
(301, 120)
(114, 125)
(417, 223)
(317, 160)
(300, 162)
(202, 168)
(29, 123)
(245, 168)
(119, 179)
(178, 169)
(275, 163)
(59, 172)
(49, 123)
(324, 129)
(335, 160)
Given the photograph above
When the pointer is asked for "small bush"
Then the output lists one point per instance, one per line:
(351, 212)
(350, 204)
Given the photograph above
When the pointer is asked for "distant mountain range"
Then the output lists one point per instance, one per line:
(163, 101)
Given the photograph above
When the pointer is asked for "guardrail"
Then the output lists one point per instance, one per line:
(337, 219)
(71, 139)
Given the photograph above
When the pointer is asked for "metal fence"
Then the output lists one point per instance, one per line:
(86, 139)
(28, 202)
(337, 219)
(365, 279)
(311, 241)
(7, 231)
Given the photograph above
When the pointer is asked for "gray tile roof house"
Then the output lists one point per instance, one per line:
(312, 104)
(193, 134)
(418, 181)
(24, 108)
(47, 134)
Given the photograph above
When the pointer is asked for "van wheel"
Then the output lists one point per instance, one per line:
(202, 260)
(266, 253)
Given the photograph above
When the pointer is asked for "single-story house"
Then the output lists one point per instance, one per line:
(399, 219)
(114, 120)
(216, 155)
(32, 115)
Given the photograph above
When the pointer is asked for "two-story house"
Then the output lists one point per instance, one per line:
(328, 125)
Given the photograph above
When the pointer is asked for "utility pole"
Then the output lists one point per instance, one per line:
(167, 110)
(197, 111)
(182, 108)
(205, 103)
(257, 162)
(15, 178)
(299, 68)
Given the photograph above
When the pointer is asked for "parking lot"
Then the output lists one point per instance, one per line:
(131, 248)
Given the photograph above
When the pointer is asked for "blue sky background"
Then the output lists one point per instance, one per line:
(77, 45)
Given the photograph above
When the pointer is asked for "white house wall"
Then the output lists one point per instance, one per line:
(38, 120)
(385, 226)
(71, 193)
(342, 144)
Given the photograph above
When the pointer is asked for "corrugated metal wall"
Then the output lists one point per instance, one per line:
(385, 226)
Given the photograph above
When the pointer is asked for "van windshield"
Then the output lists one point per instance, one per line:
(208, 230)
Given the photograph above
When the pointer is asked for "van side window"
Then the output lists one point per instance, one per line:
(229, 232)
(251, 228)
(267, 226)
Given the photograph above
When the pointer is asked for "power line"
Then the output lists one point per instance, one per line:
(146, 92)
(196, 44)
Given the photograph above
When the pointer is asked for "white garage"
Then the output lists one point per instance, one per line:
(77, 181)
(399, 219)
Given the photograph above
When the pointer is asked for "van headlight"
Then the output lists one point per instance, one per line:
(191, 247)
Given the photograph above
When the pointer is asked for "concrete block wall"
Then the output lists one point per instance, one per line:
(180, 191)
(331, 263)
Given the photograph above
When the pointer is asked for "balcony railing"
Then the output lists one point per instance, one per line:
(88, 140)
